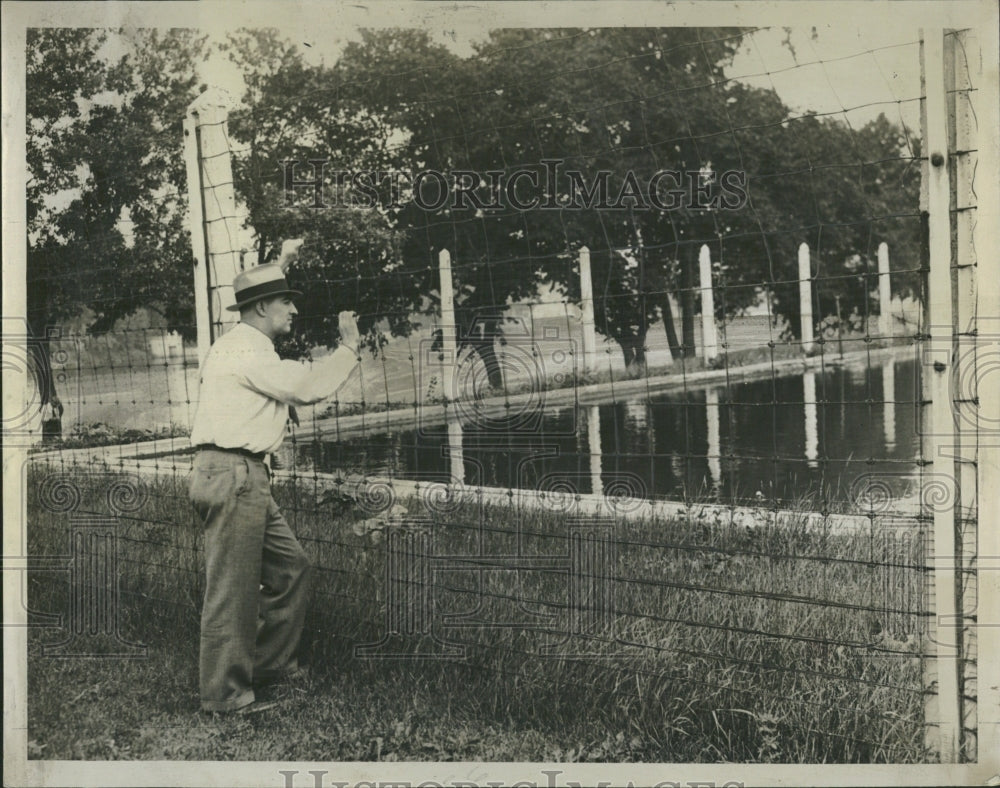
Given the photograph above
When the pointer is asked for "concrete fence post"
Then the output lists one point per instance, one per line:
(941, 640)
(805, 298)
(587, 307)
(985, 141)
(710, 343)
(449, 351)
(884, 293)
(213, 221)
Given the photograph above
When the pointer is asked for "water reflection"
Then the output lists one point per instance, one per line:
(714, 454)
(455, 450)
(594, 444)
(889, 405)
(811, 418)
(784, 438)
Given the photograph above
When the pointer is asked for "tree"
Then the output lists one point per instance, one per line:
(520, 96)
(618, 107)
(290, 112)
(842, 191)
(106, 196)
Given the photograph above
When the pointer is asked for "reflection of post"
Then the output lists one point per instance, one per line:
(587, 307)
(637, 411)
(812, 426)
(594, 441)
(710, 348)
(714, 443)
(455, 450)
(805, 298)
(884, 293)
(889, 404)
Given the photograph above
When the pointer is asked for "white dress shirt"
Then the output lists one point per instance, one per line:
(246, 390)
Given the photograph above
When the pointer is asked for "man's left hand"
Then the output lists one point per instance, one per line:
(347, 324)
(289, 253)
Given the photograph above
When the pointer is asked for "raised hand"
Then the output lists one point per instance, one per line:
(289, 253)
(347, 323)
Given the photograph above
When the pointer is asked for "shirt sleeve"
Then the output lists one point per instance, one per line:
(298, 383)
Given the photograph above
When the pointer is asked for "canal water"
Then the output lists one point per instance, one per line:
(819, 438)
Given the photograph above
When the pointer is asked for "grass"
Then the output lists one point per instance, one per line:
(715, 643)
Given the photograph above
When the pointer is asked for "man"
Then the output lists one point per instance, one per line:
(256, 570)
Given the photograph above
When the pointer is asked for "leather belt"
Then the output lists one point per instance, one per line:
(253, 455)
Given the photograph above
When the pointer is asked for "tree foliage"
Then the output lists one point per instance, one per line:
(106, 180)
(629, 103)
(291, 112)
(106, 191)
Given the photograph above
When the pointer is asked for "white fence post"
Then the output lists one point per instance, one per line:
(709, 340)
(884, 293)
(213, 221)
(199, 243)
(449, 349)
(970, 365)
(987, 633)
(805, 298)
(587, 307)
(942, 712)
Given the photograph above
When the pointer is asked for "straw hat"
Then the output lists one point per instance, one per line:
(262, 281)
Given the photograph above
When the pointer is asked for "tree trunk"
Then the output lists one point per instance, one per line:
(634, 353)
(668, 325)
(41, 369)
(486, 350)
(639, 352)
(481, 337)
(688, 293)
(628, 352)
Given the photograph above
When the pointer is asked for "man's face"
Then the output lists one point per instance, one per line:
(278, 312)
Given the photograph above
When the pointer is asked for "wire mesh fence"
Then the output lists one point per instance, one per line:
(646, 401)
